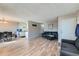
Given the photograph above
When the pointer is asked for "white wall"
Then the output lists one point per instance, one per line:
(77, 19)
(59, 29)
(10, 26)
(67, 27)
(33, 32)
(48, 26)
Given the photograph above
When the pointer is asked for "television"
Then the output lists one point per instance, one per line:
(34, 25)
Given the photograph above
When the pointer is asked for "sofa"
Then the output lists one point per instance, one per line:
(50, 35)
(7, 36)
(70, 47)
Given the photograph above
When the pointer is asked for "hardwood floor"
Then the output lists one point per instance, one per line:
(34, 47)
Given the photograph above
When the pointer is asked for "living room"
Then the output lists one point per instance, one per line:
(37, 29)
(19, 32)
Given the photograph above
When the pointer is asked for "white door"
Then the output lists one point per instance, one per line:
(68, 28)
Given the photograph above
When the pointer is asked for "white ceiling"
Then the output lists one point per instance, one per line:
(36, 11)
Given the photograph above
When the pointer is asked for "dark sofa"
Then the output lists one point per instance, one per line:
(7, 36)
(50, 35)
(70, 47)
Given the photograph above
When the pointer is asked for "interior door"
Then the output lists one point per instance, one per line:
(68, 28)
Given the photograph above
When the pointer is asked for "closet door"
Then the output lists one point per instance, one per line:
(68, 28)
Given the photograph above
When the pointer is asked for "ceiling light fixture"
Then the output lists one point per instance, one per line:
(3, 20)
